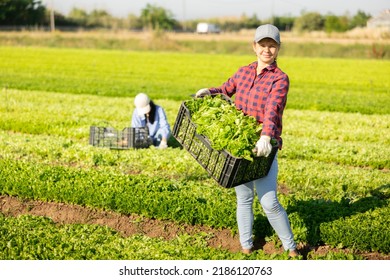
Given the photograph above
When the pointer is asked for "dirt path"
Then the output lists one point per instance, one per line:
(134, 224)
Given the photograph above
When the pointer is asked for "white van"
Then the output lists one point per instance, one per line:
(205, 28)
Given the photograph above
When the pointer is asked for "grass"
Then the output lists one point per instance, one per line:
(337, 142)
(175, 76)
(334, 166)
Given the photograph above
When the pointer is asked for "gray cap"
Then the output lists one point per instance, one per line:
(267, 31)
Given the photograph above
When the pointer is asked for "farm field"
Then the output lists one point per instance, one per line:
(362, 44)
(56, 189)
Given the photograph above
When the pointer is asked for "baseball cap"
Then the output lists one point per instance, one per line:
(141, 102)
(267, 31)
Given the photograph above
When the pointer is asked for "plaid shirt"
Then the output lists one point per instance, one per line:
(262, 96)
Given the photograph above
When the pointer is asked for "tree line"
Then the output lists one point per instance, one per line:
(33, 13)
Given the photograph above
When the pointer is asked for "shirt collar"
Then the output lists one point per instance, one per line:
(270, 67)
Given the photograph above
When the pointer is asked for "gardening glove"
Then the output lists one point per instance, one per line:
(202, 92)
(263, 146)
(163, 144)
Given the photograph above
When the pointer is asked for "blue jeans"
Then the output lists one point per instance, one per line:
(266, 192)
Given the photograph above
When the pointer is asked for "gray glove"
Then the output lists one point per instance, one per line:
(202, 92)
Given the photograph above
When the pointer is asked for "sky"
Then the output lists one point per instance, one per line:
(203, 9)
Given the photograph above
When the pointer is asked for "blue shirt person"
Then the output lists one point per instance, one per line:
(147, 114)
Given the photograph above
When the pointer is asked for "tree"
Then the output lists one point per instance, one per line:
(79, 16)
(335, 23)
(359, 20)
(133, 22)
(154, 17)
(252, 22)
(60, 20)
(309, 22)
(284, 23)
(99, 18)
(22, 12)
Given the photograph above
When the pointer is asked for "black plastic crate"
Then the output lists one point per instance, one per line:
(129, 137)
(227, 170)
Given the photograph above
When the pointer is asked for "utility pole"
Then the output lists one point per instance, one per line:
(52, 23)
(184, 16)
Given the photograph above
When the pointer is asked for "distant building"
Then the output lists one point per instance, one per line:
(380, 21)
(205, 28)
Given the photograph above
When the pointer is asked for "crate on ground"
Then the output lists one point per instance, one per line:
(129, 137)
(227, 170)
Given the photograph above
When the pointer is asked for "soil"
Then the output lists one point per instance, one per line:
(128, 225)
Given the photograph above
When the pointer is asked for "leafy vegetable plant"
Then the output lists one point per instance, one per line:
(225, 126)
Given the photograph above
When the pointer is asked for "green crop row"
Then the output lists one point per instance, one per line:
(343, 223)
(344, 138)
(371, 227)
(39, 238)
(184, 201)
(304, 177)
(152, 197)
(314, 85)
(345, 143)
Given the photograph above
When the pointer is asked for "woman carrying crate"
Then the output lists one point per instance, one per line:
(147, 114)
(260, 90)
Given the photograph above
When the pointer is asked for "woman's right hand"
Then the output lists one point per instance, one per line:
(202, 92)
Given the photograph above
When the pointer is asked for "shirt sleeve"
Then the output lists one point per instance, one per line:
(136, 120)
(274, 108)
(228, 88)
(164, 126)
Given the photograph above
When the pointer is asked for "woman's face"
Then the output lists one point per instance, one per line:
(266, 50)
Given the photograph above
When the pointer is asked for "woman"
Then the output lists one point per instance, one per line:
(260, 90)
(148, 114)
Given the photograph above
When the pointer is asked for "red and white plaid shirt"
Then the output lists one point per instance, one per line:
(262, 96)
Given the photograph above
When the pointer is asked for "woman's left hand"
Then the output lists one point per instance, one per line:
(263, 146)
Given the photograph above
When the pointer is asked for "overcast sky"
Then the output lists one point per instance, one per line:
(202, 9)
